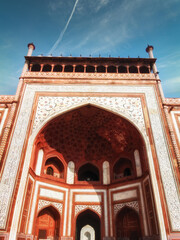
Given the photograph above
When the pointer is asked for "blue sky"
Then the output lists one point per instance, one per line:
(107, 27)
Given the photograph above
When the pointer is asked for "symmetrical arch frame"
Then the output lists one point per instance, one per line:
(140, 130)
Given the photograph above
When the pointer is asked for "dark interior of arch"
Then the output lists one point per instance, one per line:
(91, 134)
(88, 218)
(88, 172)
(36, 68)
(122, 168)
(56, 162)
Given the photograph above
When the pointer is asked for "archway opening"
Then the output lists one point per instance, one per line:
(88, 221)
(48, 224)
(90, 69)
(122, 69)
(122, 168)
(88, 172)
(54, 167)
(57, 68)
(79, 68)
(111, 69)
(128, 225)
(46, 68)
(133, 69)
(144, 69)
(36, 68)
(101, 69)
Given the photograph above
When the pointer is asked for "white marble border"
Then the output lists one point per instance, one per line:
(173, 113)
(19, 137)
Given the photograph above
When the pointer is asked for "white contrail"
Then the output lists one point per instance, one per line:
(64, 30)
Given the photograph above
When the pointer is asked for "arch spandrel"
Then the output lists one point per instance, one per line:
(97, 138)
(51, 107)
(42, 204)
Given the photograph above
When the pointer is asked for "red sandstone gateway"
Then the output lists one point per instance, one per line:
(89, 150)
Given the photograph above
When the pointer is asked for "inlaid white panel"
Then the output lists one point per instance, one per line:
(124, 195)
(51, 194)
(87, 198)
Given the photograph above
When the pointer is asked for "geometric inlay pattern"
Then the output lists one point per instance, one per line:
(119, 206)
(48, 106)
(95, 208)
(44, 203)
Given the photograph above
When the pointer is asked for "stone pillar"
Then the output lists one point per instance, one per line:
(149, 50)
(31, 47)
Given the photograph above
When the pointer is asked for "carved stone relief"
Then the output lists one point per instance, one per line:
(89, 75)
(119, 206)
(48, 106)
(43, 203)
(96, 208)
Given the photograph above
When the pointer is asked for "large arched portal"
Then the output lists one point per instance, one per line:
(88, 226)
(48, 224)
(85, 138)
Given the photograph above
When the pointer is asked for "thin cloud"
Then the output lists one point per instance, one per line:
(64, 30)
(169, 60)
(172, 86)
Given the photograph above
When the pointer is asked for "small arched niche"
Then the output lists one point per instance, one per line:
(68, 68)
(88, 172)
(87, 233)
(79, 68)
(133, 69)
(48, 224)
(122, 69)
(54, 167)
(90, 69)
(57, 68)
(122, 168)
(111, 69)
(46, 68)
(101, 69)
(144, 69)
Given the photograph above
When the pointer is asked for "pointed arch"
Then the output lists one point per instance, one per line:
(129, 119)
(48, 223)
(128, 224)
(91, 219)
(88, 172)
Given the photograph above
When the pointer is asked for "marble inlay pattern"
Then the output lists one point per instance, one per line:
(48, 106)
(119, 206)
(80, 208)
(44, 203)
